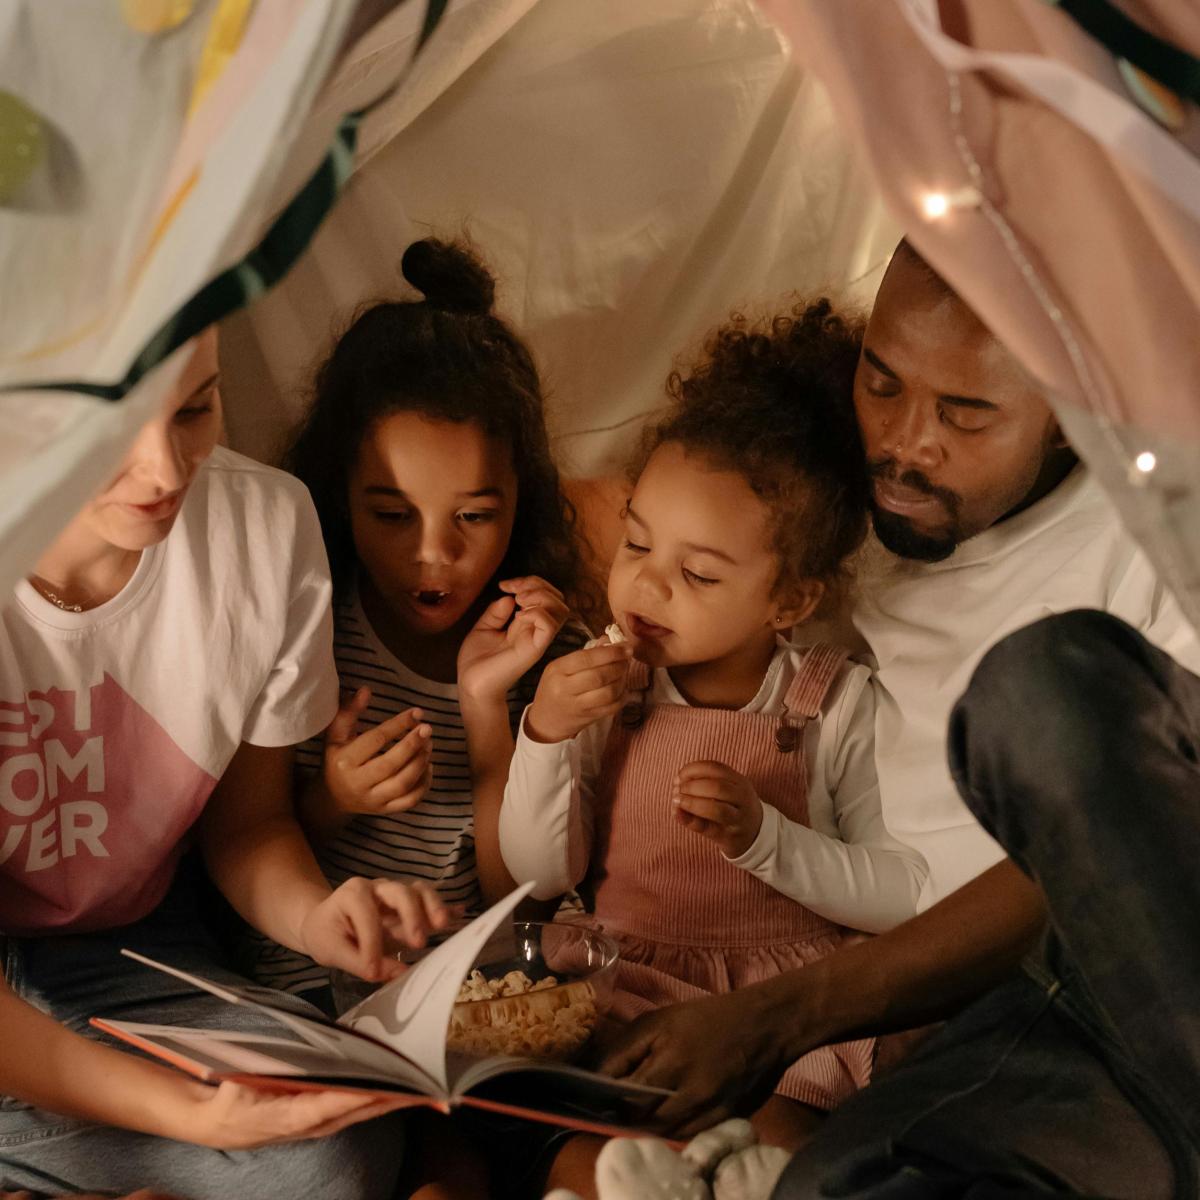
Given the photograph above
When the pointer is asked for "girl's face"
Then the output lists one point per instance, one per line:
(693, 578)
(431, 509)
(140, 504)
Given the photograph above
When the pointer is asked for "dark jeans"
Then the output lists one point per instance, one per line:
(77, 976)
(1076, 747)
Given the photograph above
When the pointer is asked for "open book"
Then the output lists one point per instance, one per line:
(393, 1042)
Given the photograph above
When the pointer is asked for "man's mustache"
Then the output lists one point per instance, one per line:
(886, 469)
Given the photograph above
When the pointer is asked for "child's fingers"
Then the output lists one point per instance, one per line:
(597, 658)
(415, 746)
(707, 789)
(409, 780)
(496, 615)
(705, 769)
(438, 913)
(404, 912)
(607, 676)
(367, 745)
(341, 728)
(528, 583)
(716, 811)
(600, 702)
(698, 825)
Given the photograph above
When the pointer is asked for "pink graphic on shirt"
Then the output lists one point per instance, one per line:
(95, 800)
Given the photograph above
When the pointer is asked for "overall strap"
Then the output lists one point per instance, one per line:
(819, 668)
(637, 688)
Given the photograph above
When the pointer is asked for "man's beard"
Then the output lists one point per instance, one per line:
(899, 535)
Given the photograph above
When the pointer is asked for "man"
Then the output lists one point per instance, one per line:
(985, 522)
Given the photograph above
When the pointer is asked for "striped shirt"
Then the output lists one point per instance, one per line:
(434, 840)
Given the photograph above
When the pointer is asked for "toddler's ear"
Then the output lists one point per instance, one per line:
(799, 603)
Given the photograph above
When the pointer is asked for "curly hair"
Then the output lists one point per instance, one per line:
(773, 401)
(451, 358)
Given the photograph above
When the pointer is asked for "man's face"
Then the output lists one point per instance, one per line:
(956, 435)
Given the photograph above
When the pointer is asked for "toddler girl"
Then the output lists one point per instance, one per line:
(710, 782)
(451, 547)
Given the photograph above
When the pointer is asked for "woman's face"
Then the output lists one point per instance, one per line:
(432, 505)
(140, 504)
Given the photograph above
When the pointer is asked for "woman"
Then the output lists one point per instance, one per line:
(155, 669)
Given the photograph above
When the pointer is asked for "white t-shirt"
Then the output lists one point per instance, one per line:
(844, 865)
(929, 624)
(116, 723)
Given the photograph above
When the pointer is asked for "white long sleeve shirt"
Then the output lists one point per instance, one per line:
(844, 865)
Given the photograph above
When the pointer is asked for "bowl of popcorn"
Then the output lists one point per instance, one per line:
(538, 994)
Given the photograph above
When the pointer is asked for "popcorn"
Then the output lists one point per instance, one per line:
(615, 634)
(546, 1019)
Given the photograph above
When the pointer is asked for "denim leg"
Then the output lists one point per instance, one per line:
(74, 977)
(1076, 747)
(1008, 1099)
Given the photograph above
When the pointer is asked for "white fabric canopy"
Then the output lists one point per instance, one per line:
(630, 171)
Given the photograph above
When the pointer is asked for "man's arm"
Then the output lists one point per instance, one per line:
(724, 1055)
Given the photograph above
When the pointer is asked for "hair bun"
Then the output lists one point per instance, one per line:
(449, 276)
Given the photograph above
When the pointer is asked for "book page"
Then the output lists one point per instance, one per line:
(218, 1053)
(412, 1013)
(324, 1036)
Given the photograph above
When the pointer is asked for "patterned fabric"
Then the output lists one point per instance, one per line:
(433, 841)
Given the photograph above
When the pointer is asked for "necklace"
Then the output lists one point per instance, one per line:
(43, 591)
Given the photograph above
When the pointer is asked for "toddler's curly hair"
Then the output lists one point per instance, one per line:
(773, 400)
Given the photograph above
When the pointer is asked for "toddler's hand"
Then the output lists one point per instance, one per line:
(716, 802)
(576, 690)
(367, 773)
(361, 925)
(503, 646)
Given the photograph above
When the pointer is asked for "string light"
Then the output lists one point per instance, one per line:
(1145, 462)
(935, 205)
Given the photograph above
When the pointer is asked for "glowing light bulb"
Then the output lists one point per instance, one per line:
(1145, 462)
(934, 205)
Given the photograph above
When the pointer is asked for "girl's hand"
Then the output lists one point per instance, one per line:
(362, 924)
(716, 802)
(503, 646)
(368, 773)
(234, 1116)
(576, 690)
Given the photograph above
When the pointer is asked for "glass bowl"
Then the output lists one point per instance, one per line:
(572, 970)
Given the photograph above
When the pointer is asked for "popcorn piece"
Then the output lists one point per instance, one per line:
(615, 634)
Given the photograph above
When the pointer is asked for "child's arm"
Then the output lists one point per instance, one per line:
(546, 817)
(865, 878)
(508, 640)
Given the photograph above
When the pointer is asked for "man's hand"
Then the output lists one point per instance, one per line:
(716, 802)
(511, 636)
(361, 925)
(385, 770)
(577, 690)
(720, 1055)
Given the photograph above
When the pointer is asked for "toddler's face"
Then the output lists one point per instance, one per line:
(693, 577)
(431, 509)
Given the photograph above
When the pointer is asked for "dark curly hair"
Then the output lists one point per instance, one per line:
(773, 401)
(449, 357)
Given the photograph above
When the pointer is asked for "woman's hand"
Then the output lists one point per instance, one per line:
(384, 770)
(716, 802)
(238, 1117)
(511, 636)
(362, 924)
(576, 690)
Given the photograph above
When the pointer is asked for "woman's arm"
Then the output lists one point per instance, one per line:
(47, 1065)
(255, 849)
(259, 858)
